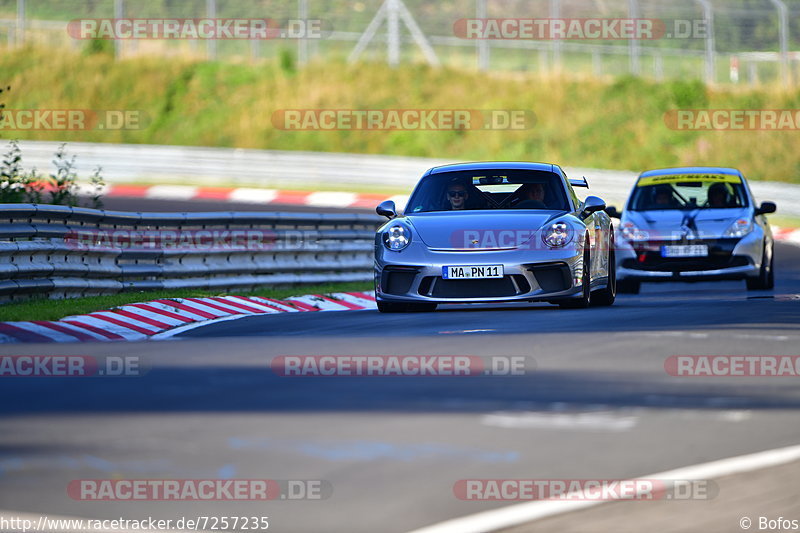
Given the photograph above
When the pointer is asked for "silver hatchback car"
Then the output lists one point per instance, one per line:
(693, 224)
(494, 232)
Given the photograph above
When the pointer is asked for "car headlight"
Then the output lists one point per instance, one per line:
(630, 232)
(557, 235)
(397, 237)
(739, 228)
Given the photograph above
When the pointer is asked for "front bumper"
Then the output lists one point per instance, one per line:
(415, 275)
(728, 259)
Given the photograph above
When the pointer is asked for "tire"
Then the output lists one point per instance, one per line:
(606, 297)
(766, 276)
(771, 279)
(398, 307)
(628, 286)
(586, 297)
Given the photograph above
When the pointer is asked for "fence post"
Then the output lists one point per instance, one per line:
(708, 16)
(211, 44)
(555, 12)
(482, 44)
(597, 62)
(20, 37)
(302, 42)
(633, 44)
(393, 27)
(119, 12)
(658, 67)
(783, 35)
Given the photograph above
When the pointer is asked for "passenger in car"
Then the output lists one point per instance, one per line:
(718, 196)
(664, 199)
(533, 195)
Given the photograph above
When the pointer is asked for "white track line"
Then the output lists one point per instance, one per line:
(171, 192)
(253, 196)
(323, 199)
(522, 513)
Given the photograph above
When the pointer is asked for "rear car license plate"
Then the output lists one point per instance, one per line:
(472, 272)
(685, 250)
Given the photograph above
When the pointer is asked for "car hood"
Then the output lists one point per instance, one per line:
(491, 229)
(672, 224)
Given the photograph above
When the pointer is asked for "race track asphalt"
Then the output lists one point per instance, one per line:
(599, 404)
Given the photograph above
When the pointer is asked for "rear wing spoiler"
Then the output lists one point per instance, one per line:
(579, 182)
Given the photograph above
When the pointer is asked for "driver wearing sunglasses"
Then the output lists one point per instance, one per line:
(457, 196)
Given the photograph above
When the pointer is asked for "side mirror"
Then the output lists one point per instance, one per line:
(386, 209)
(593, 204)
(766, 208)
(612, 212)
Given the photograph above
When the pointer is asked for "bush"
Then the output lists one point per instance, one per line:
(18, 186)
(99, 46)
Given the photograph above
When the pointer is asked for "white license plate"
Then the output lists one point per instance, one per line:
(685, 250)
(472, 272)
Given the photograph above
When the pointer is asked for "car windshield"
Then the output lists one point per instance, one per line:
(489, 189)
(687, 191)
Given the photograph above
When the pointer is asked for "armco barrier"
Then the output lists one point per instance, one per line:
(39, 257)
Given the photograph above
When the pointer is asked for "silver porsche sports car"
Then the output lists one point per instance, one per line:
(693, 224)
(494, 232)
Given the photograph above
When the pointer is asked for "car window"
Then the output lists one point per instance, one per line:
(686, 192)
(573, 195)
(489, 189)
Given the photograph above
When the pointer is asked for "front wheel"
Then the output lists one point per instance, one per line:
(586, 295)
(766, 276)
(605, 297)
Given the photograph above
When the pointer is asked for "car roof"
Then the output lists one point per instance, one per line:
(493, 165)
(691, 170)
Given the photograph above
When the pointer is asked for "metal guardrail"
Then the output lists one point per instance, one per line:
(41, 251)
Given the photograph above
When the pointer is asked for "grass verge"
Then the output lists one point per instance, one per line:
(615, 123)
(43, 309)
(784, 221)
